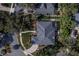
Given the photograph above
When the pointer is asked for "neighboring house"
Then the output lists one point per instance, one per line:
(46, 33)
(44, 8)
(74, 35)
(15, 52)
(14, 45)
(75, 30)
(18, 9)
(21, 9)
(6, 39)
(77, 17)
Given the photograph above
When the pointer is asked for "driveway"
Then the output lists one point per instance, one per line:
(32, 49)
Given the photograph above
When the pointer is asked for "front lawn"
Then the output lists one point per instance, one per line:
(26, 38)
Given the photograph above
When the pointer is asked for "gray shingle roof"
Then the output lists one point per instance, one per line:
(14, 52)
(77, 17)
(49, 9)
(18, 8)
(45, 33)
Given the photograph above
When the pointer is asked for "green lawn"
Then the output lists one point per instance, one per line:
(26, 38)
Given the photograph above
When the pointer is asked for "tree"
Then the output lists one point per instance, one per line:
(6, 23)
(66, 22)
(3, 51)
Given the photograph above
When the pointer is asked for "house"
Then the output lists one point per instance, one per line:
(18, 9)
(77, 17)
(75, 30)
(46, 33)
(44, 8)
(10, 38)
(6, 39)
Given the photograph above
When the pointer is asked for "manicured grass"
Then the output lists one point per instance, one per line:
(26, 38)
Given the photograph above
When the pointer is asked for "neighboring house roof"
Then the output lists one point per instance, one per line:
(74, 34)
(45, 33)
(15, 52)
(44, 8)
(77, 17)
(18, 9)
(6, 39)
(12, 39)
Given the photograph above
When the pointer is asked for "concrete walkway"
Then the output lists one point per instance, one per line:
(32, 49)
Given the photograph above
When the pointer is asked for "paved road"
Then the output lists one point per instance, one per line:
(32, 49)
(11, 9)
(3, 8)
